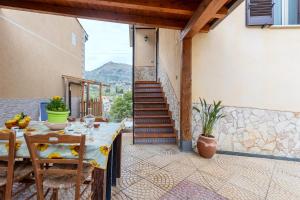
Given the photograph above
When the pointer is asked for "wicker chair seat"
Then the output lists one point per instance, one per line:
(66, 180)
(21, 170)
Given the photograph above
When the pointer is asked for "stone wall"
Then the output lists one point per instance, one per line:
(171, 97)
(31, 107)
(255, 131)
(147, 73)
(10, 107)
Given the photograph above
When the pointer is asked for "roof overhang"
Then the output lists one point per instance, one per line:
(191, 16)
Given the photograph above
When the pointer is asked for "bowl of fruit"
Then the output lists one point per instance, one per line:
(20, 120)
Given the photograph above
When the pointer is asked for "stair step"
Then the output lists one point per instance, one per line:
(149, 95)
(148, 105)
(146, 82)
(150, 116)
(153, 125)
(165, 120)
(151, 102)
(149, 99)
(146, 89)
(155, 135)
(151, 112)
(156, 85)
(151, 130)
(147, 86)
(150, 109)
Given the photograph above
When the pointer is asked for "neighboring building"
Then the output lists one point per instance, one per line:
(36, 50)
(253, 70)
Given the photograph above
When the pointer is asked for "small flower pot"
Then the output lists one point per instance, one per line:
(207, 146)
(57, 117)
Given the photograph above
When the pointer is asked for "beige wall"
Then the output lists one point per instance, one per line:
(248, 67)
(35, 51)
(170, 56)
(145, 50)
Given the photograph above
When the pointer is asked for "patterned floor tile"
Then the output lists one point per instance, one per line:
(164, 179)
(143, 190)
(233, 192)
(217, 171)
(191, 191)
(143, 169)
(128, 160)
(179, 169)
(288, 168)
(163, 172)
(120, 196)
(256, 184)
(199, 162)
(207, 180)
(163, 160)
(277, 192)
(127, 179)
(286, 182)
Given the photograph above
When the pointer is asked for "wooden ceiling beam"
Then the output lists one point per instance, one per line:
(204, 13)
(222, 13)
(205, 29)
(169, 7)
(93, 14)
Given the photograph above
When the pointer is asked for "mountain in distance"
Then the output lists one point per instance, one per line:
(111, 72)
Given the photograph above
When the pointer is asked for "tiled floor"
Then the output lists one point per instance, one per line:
(163, 172)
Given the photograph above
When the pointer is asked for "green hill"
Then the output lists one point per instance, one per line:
(111, 73)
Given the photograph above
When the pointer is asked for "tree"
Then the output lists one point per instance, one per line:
(121, 107)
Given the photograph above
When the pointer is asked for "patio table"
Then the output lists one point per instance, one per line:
(103, 151)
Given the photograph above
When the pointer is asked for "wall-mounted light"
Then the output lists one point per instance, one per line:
(146, 38)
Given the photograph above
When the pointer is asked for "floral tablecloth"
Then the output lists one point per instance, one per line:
(98, 143)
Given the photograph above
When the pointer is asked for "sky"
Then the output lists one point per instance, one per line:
(106, 42)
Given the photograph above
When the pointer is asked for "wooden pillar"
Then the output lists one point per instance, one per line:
(87, 98)
(66, 92)
(186, 96)
(100, 99)
(82, 100)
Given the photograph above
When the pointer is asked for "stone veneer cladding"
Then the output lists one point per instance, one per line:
(10, 107)
(173, 102)
(147, 73)
(255, 131)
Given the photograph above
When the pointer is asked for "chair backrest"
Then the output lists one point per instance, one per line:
(8, 161)
(39, 163)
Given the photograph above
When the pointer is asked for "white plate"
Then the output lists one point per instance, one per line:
(55, 127)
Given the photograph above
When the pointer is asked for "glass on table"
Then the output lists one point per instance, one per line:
(89, 120)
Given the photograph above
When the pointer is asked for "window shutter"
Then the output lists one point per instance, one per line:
(259, 12)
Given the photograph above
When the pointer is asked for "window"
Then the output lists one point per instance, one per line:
(269, 12)
(286, 12)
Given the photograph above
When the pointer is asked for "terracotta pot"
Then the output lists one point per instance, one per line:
(207, 146)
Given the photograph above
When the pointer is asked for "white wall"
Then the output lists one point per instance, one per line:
(248, 67)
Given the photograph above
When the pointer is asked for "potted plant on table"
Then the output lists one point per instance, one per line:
(209, 114)
(57, 111)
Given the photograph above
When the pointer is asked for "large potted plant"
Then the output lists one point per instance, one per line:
(209, 114)
(57, 110)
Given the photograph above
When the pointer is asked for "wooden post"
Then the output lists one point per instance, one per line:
(82, 100)
(87, 98)
(66, 91)
(186, 96)
(100, 99)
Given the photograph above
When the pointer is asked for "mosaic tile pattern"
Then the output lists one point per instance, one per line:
(190, 190)
(168, 174)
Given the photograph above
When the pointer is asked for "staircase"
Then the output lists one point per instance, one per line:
(153, 121)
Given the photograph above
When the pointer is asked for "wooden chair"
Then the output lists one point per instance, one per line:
(58, 173)
(10, 170)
